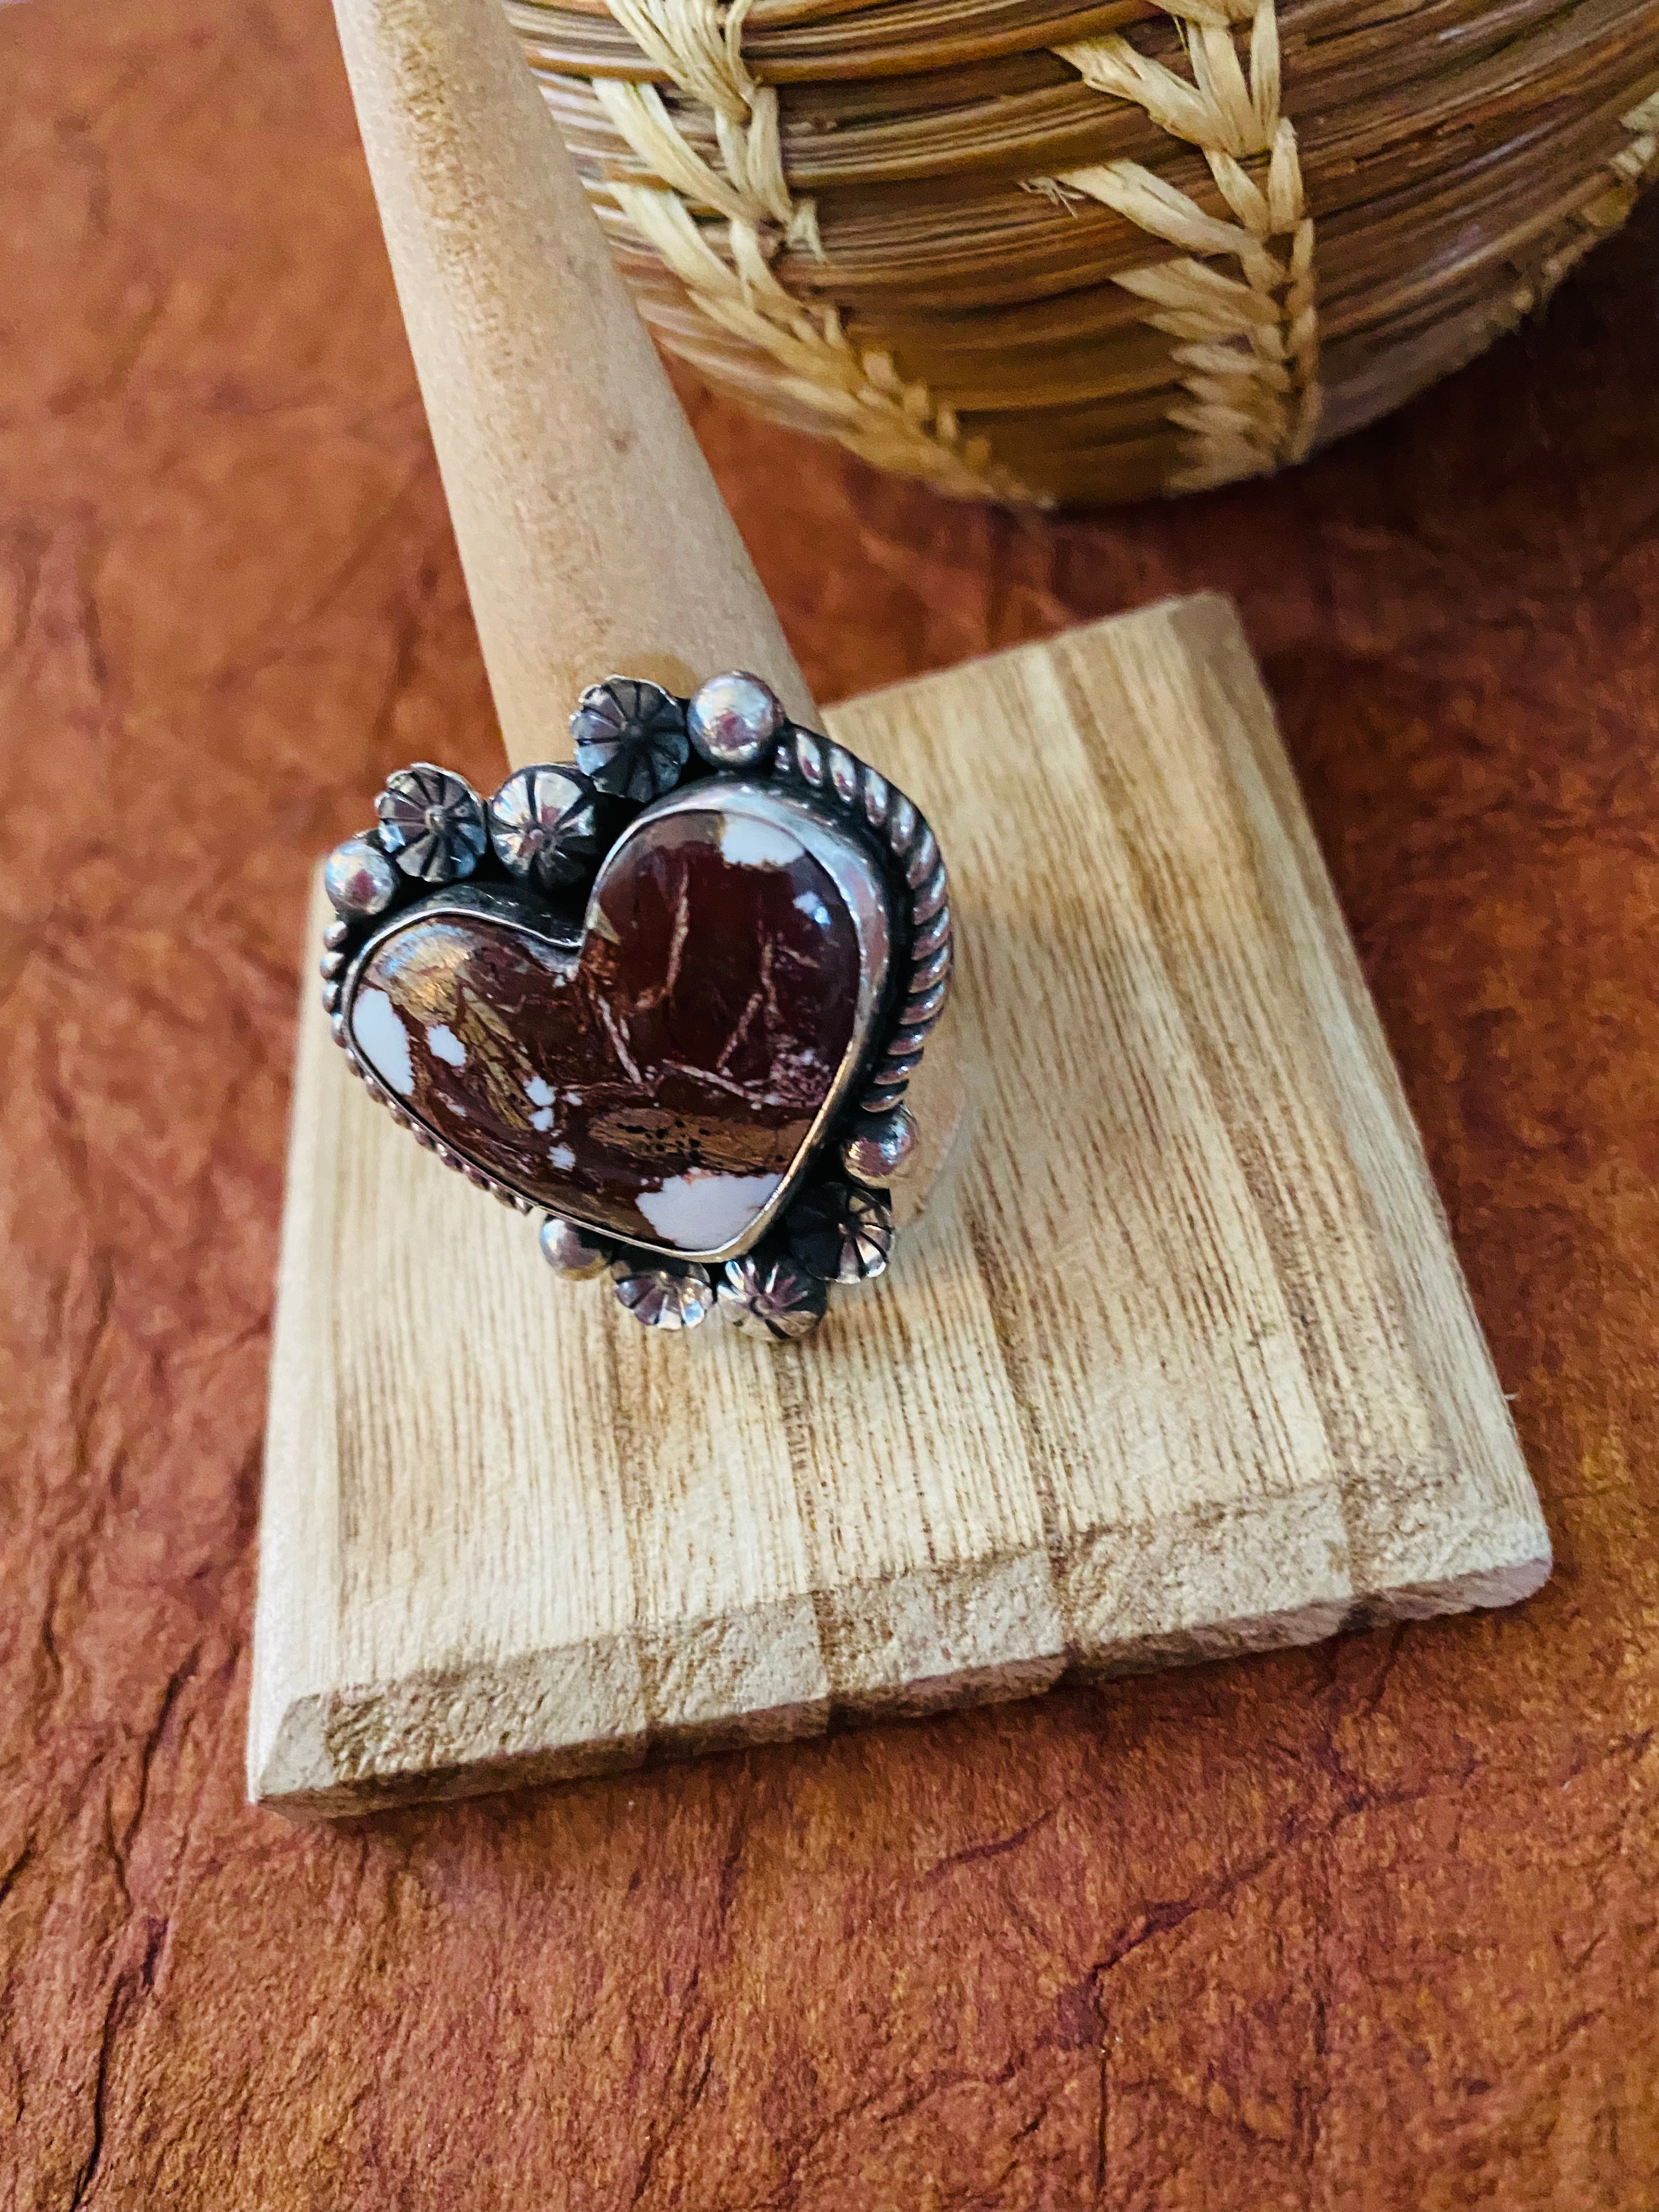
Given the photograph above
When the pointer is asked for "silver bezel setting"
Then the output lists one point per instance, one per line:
(849, 867)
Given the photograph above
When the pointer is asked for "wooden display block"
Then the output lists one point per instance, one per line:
(1180, 1363)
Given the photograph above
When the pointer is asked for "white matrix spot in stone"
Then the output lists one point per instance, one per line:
(700, 1211)
(748, 843)
(561, 1156)
(813, 907)
(537, 1092)
(442, 1040)
(542, 1118)
(380, 1032)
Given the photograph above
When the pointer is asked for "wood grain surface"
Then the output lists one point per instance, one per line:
(1369, 1925)
(1178, 1365)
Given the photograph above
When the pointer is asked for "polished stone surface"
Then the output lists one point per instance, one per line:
(661, 1082)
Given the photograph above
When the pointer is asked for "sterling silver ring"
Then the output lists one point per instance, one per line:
(670, 995)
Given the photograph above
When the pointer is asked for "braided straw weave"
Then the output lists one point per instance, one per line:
(1041, 250)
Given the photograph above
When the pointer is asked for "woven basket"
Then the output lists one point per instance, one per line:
(1037, 250)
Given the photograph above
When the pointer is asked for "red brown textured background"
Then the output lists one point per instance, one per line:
(1371, 1925)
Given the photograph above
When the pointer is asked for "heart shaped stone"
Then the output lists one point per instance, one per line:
(661, 1071)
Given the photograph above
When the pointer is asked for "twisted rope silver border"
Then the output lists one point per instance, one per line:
(861, 792)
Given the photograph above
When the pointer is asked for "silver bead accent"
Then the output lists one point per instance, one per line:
(337, 933)
(931, 899)
(903, 1061)
(932, 937)
(630, 738)
(926, 969)
(809, 759)
(545, 824)
(361, 882)
(432, 823)
(775, 1297)
(840, 1233)
(733, 719)
(668, 1296)
(843, 776)
(923, 855)
(885, 1098)
(574, 1254)
(880, 1146)
(921, 1010)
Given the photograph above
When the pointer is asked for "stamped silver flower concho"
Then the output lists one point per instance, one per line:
(669, 995)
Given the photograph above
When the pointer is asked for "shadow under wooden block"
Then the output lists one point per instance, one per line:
(1181, 1363)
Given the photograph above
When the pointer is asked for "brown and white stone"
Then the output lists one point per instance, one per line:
(661, 1072)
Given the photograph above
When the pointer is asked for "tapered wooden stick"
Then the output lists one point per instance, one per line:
(594, 537)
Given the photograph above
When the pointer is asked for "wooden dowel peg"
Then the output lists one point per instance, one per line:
(594, 537)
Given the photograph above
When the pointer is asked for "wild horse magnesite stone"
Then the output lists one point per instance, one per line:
(659, 1068)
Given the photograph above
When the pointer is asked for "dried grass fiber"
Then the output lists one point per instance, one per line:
(1041, 252)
